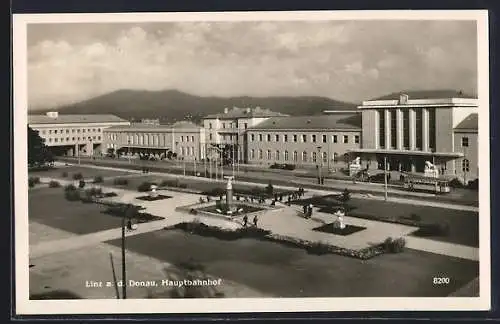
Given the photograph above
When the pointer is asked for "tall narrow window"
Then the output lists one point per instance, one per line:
(252, 154)
(406, 129)
(268, 137)
(313, 138)
(432, 128)
(286, 155)
(295, 138)
(295, 156)
(260, 154)
(325, 157)
(269, 154)
(304, 156)
(314, 157)
(324, 138)
(277, 155)
(394, 132)
(277, 138)
(465, 165)
(381, 128)
(285, 138)
(334, 139)
(465, 142)
(304, 138)
(418, 128)
(260, 137)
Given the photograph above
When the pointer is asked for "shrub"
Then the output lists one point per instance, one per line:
(182, 185)
(289, 167)
(77, 176)
(64, 174)
(98, 179)
(144, 187)
(31, 182)
(72, 195)
(394, 245)
(69, 187)
(54, 184)
(415, 217)
(434, 229)
(93, 192)
(120, 182)
(474, 184)
(318, 248)
(456, 183)
(346, 196)
(81, 184)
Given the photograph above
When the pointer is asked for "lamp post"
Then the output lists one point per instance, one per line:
(129, 160)
(124, 271)
(385, 178)
(319, 165)
(232, 160)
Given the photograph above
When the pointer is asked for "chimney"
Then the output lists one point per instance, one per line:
(52, 114)
(226, 110)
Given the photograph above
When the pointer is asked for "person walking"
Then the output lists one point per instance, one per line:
(255, 220)
(245, 221)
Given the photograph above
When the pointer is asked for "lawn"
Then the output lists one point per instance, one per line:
(88, 173)
(49, 207)
(290, 272)
(464, 225)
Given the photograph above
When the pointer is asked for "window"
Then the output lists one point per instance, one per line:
(313, 138)
(78, 138)
(67, 131)
(418, 128)
(285, 138)
(223, 125)
(295, 138)
(269, 154)
(286, 155)
(78, 130)
(72, 138)
(304, 138)
(67, 139)
(182, 138)
(210, 136)
(260, 137)
(314, 156)
(277, 138)
(295, 156)
(93, 129)
(93, 137)
(50, 131)
(324, 157)
(324, 138)
(98, 129)
(334, 138)
(394, 132)
(55, 131)
(246, 125)
(346, 139)
(98, 137)
(432, 128)
(465, 165)
(356, 139)
(182, 150)
(277, 155)
(50, 139)
(83, 130)
(252, 137)
(268, 137)
(304, 156)
(209, 125)
(62, 139)
(406, 128)
(88, 130)
(260, 154)
(252, 154)
(381, 128)
(465, 142)
(43, 132)
(55, 140)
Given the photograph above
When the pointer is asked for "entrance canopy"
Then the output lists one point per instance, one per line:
(451, 155)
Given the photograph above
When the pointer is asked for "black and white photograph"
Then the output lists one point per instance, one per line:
(251, 161)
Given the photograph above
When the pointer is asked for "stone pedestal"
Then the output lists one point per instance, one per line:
(153, 193)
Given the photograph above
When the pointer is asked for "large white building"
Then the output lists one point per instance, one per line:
(73, 135)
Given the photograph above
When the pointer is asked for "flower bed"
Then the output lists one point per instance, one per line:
(317, 248)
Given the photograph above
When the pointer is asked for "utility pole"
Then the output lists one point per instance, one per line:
(124, 271)
(233, 161)
(385, 178)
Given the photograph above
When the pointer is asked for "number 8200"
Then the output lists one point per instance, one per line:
(441, 280)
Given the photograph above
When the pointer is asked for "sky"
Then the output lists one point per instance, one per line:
(344, 60)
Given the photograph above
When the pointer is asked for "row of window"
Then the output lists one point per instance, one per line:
(230, 125)
(67, 139)
(67, 131)
(187, 138)
(303, 138)
(187, 151)
(277, 155)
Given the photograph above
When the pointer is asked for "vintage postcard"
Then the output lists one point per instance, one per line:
(251, 162)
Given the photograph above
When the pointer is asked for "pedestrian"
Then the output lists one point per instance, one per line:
(289, 201)
(310, 210)
(281, 197)
(305, 210)
(245, 221)
(255, 220)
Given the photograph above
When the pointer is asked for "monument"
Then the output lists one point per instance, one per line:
(431, 170)
(339, 223)
(152, 191)
(229, 195)
(355, 166)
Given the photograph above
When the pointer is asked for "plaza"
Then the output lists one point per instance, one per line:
(62, 232)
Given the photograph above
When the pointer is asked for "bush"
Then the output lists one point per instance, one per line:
(145, 186)
(31, 182)
(54, 184)
(81, 184)
(93, 192)
(120, 182)
(69, 187)
(474, 184)
(72, 195)
(269, 189)
(64, 174)
(182, 185)
(394, 245)
(346, 196)
(110, 194)
(77, 176)
(456, 183)
(434, 229)
(98, 179)
(289, 167)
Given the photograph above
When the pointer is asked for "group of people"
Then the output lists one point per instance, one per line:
(245, 221)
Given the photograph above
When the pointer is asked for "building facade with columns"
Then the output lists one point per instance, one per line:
(410, 128)
(322, 140)
(226, 132)
(185, 139)
(73, 135)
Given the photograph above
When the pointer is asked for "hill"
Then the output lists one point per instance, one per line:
(171, 105)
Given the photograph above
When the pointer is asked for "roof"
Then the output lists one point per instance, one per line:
(146, 127)
(338, 121)
(74, 119)
(470, 122)
(237, 112)
(427, 94)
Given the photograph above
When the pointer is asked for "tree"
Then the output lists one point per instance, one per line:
(38, 153)
(346, 196)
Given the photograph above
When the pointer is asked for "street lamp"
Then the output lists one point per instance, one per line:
(124, 271)
(129, 160)
(385, 178)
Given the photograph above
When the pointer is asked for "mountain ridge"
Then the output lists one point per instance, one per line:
(172, 105)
